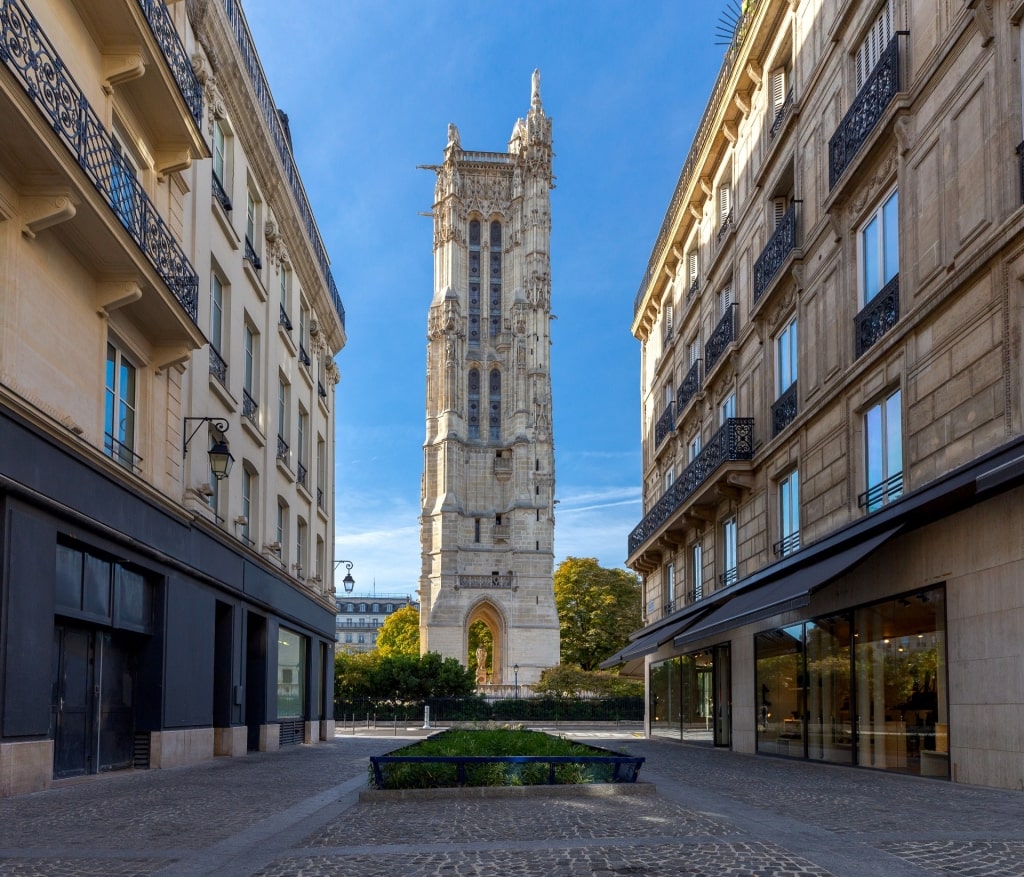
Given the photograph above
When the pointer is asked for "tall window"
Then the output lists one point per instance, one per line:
(282, 421)
(494, 420)
(875, 41)
(693, 351)
(789, 514)
(729, 559)
(220, 162)
(474, 403)
(301, 438)
(693, 448)
(880, 248)
(779, 84)
(319, 558)
(725, 300)
(667, 323)
(301, 547)
(883, 432)
(670, 587)
(285, 283)
(697, 570)
(692, 268)
(282, 530)
(123, 184)
(474, 283)
(216, 313)
(248, 504)
(321, 471)
(786, 358)
(494, 305)
(250, 220)
(670, 476)
(120, 408)
(727, 410)
(724, 204)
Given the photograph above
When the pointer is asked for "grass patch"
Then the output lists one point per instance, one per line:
(493, 742)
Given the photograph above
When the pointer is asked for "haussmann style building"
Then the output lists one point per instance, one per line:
(831, 379)
(168, 323)
(487, 522)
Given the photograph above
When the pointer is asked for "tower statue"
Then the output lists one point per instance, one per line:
(487, 492)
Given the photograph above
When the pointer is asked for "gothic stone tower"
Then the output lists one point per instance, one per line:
(487, 523)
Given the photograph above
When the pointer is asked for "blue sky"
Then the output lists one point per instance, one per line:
(370, 87)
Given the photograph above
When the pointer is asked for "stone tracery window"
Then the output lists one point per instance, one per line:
(494, 421)
(474, 403)
(495, 279)
(474, 283)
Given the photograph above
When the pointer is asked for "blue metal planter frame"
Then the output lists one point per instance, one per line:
(626, 767)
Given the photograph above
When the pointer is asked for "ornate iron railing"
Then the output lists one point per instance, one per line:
(35, 63)
(480, 582)
(867, 108)
(321, 389)
(726, 226)
(1020, 169)
(303, 355)
(218, 367)
(734, 441)
(251, 62)
(784, 409)
(780, 115)
(693, 290)
(250, 410)
(705, 130)
(284, 319)
(875, 497)
(220, 193)
(174, 53)
(689, 387)
(666, 424)
(282, 449)
(779, 246)
(250, 255)
(877, 317)
(300, 475)
(787, 545)
(721, 338)
(121, 453)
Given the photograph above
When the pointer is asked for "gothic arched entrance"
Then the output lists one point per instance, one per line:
(484, 636)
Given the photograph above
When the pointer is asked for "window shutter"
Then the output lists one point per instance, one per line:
(668, 320)
(778, 211)
(694, 351)
(778, 89)
(691, 260)
(724, 202)
(725, 299)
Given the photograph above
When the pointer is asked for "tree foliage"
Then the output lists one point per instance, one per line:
(400, 633)
(398, 678)
(597, 610)
(567, 680)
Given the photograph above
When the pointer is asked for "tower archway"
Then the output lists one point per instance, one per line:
(484, 636)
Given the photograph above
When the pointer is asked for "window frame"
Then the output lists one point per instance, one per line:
(786, 357)
(117, 440)
(877, 251)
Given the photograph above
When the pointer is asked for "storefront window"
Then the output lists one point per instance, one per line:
(829, 711)
(291, 674)
(682, 698)
(664, 695)
(780, 691)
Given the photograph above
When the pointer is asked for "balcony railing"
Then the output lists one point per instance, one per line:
(867, 108)
(221, 194)
(484, 582)
(689, 387)
(721, 338)
(284, 319)
(319, 497)
(693, 290)
(784, 409)
(1020, 169)
(250, 410)
(174, 53)
(321, 390)
(251, 63)
(303, 355)
(250, 255)
(502, 531)
(787, 545)
(218, 367)
(121, 453)
(729, 577)
(780, 115)
(779, 246)
(877, 317)
(301, 474)
(35, 63)
(666, 424)
(734, 441)
(725, 227)
(876, 497)
(282, 449)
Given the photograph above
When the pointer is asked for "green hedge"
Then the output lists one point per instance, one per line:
(479, 709)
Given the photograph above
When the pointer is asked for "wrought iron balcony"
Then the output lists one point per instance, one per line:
(321, 390)
(174, 53)
(784, 409)
(121, 453)
(319, 497)
(250, 255)
(734, 441)
(250, 410)
(282, 145)
(301, 474)
(1020, 169)
(485, 582)
(867, 108)
(886, 491)
(729, 577)
(787, 545)
(220, 194)
(666, 424)
(303, 355)
(877, 317)
(779, 246)
(693, 290)
(282, 449)
(780, 115)
(284, 320)
(725, 228)
(671, 606)
(721, 338)
(37, 66)
(218, 367)
(689, 387)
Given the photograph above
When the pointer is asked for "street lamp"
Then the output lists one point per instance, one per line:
(348, 582)
(220, 455)
(515, 676)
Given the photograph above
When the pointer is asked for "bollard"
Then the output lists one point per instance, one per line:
(396, 724)
(426, 717)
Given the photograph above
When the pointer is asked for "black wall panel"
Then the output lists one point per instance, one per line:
(188, 659)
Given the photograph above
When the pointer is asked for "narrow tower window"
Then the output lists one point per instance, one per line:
(474, 283)
(495, 405)
(474, 403)
(495, 279)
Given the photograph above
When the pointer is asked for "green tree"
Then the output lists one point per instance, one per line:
(400, 633)
(597, 610)
(378, 678)
(567, 680)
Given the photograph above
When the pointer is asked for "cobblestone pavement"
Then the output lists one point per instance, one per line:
(715, 814)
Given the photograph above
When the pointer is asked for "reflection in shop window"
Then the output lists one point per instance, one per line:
(291, 674)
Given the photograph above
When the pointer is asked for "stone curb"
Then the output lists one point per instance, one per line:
(590, 790)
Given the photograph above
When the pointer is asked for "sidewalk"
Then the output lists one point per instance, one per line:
(297, 814)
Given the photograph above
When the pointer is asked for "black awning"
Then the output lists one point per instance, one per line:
(791, 591)
(648, 643)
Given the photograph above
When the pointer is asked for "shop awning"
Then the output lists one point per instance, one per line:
(790, 591)
(649, 643)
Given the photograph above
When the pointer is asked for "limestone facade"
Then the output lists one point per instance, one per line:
(163, 287)
(487, 524)
(831, 384)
